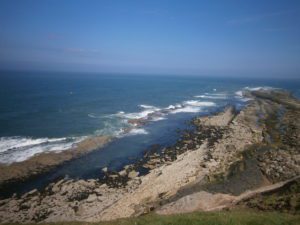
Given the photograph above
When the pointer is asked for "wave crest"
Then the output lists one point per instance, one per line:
(16, 149)
(137, 131)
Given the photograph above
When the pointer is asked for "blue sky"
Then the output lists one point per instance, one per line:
(230, 38)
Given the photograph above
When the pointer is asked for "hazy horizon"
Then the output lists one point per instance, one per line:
(236, 39)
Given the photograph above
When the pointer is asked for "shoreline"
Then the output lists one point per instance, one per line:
(43, 162)
(37, 166)
(204, 162)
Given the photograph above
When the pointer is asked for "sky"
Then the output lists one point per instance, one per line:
(259, 38)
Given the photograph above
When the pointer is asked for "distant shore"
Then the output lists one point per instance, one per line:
(227, 160)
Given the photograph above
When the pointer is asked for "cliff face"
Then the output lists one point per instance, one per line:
(226, 155)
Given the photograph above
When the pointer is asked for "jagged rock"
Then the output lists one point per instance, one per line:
(31, 193)
(92, 198)
(149, 166)
(123, 173)
(127, 167)
(132, 174)
(103, 186)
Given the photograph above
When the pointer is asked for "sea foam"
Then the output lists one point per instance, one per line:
(16, 149)
(240, 94)
(137, 131)
(199, 103)
(260, 88)
(212, 96)
(186, 109)
(9, 143)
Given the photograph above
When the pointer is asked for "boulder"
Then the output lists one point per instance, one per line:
(132, 174)
(123, 173)
(92, 198)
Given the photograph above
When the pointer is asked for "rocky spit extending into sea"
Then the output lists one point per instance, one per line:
(231, 159)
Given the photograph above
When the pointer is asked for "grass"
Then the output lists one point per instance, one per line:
(237, 217)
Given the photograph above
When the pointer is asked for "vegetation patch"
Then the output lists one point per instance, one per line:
(236, 217)
(286, 199)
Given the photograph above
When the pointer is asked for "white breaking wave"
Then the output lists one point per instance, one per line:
(150, 113)
(170, 107)
(137, 131)
(240, 94)
(8, 143)
(155, 113)
(211, 96)
(260, 88)
(192, 106)
(158, 118)
(216, 94)
(149, 107)
(16, 149)
(186, 109)
(91, 115)
(138, 115)
(199, 103)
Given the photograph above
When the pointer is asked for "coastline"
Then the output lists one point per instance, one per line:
(43, 162)
(198, 165)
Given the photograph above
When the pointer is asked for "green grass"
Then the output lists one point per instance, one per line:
(213, 218)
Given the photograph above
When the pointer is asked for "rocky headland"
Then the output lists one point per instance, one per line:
(231, 159)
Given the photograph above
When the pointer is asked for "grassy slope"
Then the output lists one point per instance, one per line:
(214, 218)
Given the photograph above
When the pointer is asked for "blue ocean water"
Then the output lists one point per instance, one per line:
(47, 111)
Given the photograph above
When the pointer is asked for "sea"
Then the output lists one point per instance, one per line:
(53, 111)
